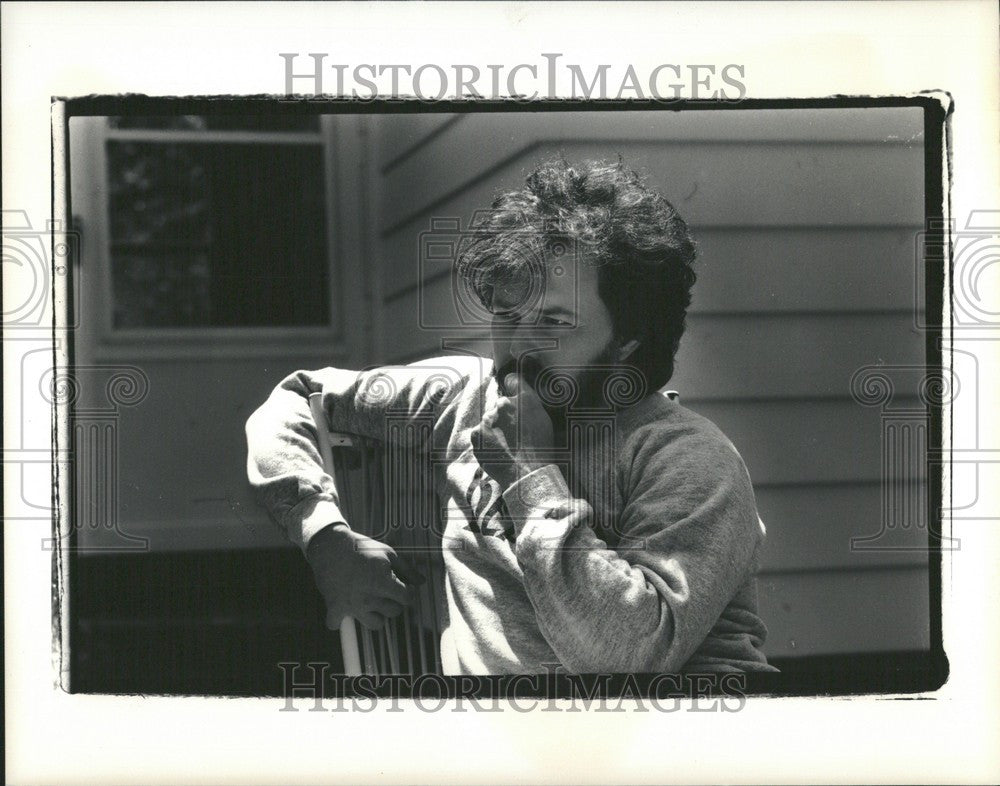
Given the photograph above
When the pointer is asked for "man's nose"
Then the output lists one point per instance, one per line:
(511, 346)
(523, 340)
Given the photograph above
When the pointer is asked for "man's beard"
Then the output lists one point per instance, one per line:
(566, 391)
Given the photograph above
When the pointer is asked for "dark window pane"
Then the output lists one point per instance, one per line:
(217, 234)
(159, 193)
(162, 290)
(269, 122)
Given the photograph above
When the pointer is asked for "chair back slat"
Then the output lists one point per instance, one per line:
(384, 493)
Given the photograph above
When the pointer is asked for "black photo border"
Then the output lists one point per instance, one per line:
(891, 673)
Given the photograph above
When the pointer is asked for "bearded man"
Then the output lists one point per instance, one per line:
(591, 521)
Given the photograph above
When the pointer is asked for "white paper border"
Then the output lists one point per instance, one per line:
(789, 50)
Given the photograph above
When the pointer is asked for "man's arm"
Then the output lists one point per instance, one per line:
(356, 575)
(284, 465)
(690, 505)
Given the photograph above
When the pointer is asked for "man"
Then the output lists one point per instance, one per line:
(591, 521)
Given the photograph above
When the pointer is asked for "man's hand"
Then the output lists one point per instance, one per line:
(507, 440)
(360, 577)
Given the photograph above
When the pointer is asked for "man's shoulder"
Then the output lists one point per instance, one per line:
(461, 385)
(666, 446)
(459, 373)
(659, 412)
(658, 423)
(463, 365)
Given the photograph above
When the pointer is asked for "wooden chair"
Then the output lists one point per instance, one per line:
(380, 497)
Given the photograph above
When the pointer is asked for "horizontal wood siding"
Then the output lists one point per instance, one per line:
(807, 227)
(846, 612)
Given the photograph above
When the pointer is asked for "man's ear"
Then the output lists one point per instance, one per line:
(628, 348)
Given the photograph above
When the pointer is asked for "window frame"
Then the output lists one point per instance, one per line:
(97, 294)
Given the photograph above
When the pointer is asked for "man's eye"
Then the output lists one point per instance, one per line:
(554, 321)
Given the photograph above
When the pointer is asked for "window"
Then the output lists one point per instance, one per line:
(217, 221)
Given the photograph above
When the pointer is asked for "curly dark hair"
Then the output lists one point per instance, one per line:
(642, 246)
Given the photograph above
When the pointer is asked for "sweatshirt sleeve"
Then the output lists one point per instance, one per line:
(689, 532)
(284, 464)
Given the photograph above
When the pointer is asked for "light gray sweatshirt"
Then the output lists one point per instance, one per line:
(637, 555)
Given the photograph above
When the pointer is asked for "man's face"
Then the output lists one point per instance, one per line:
(560, 323)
